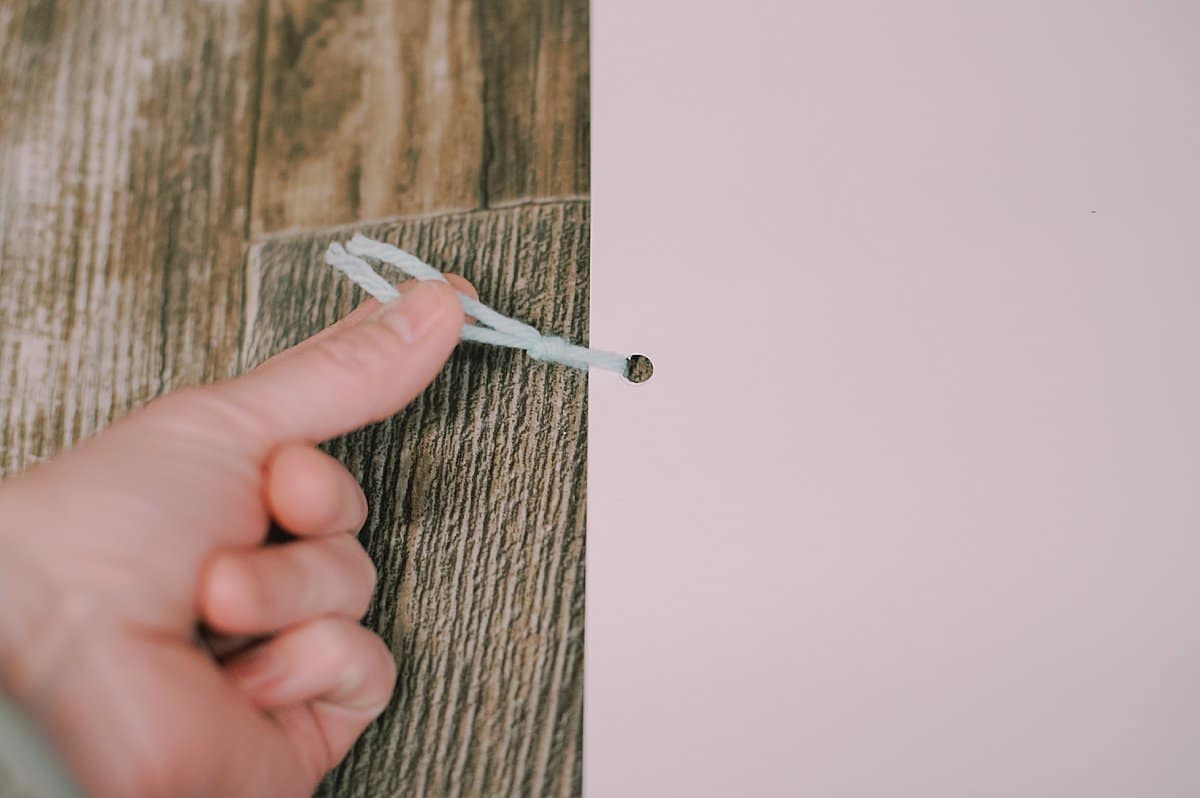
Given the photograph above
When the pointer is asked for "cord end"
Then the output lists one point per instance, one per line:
(638, 368)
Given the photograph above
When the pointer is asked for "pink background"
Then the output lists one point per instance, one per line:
(912, 505)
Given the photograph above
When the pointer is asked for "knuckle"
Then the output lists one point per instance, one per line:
(229, 591)
(302, 576)
(201, 409)
(191, 402)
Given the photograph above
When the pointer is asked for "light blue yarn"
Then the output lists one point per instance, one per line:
(492, 328)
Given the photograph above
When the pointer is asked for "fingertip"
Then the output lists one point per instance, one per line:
(460, 283)
(448, 293)
(463, 286)
(424, 318)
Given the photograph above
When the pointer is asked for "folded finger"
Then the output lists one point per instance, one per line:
(309, 493)
(259, 591)
(343, 673)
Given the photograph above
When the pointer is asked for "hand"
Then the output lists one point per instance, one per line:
(114, 553)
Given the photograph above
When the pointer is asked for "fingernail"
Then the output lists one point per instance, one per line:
(416, 312)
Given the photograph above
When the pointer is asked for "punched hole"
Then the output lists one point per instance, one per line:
(638, 368)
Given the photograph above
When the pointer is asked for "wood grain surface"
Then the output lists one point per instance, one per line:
(125, 143)
(169, 173)
(477, 517)
(376, 108)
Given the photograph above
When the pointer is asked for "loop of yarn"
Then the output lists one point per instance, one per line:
(493, 328)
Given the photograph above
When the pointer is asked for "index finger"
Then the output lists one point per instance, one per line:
(354, 374)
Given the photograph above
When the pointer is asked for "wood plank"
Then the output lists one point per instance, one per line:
(378, 108)
(536, 99)
(477, 519)
(125, 143)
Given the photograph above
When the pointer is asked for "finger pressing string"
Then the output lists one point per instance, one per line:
(492, 327)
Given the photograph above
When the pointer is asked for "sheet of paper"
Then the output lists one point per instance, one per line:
(911, 506)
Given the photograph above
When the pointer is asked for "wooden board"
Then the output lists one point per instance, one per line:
(125, 145)
(377, 108)
(477, 519)
(145, 143)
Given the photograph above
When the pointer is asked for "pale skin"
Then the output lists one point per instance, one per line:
(113, 555)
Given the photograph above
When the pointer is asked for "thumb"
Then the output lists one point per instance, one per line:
(355, 374)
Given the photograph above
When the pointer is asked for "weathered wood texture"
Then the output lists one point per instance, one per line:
(376, 108)
(477, 514)
(144, 143)
(125, 141)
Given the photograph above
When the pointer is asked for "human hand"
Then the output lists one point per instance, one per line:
(113, 553)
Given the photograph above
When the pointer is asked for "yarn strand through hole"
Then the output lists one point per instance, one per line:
(492, 327)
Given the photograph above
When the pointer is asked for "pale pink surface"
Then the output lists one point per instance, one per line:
(911, 506)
